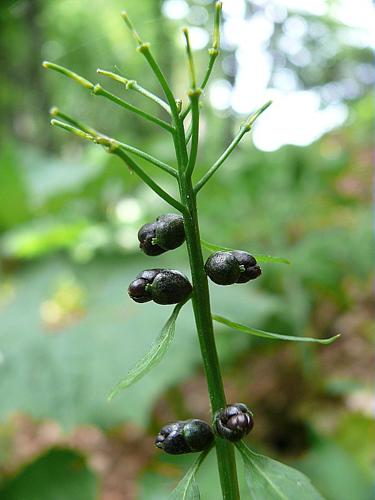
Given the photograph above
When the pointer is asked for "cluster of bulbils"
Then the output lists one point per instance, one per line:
(168, 286)
(163, 286)
(189, 436)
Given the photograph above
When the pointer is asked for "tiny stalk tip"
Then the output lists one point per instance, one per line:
(129, 24)
(70, 74)
(185, 32)
(248, 124)
(216, 36)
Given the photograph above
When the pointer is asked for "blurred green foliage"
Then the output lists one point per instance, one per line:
(69, 216)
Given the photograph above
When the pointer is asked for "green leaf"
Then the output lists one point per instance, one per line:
(187, 488)
(59, 474)
(268, 479)
(259, 257)
(268, 335)
(154, 356)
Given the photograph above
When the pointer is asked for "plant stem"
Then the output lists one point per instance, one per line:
(133, 85)
(126, 147)
(245, 127)
(202, 312)
(99, 90)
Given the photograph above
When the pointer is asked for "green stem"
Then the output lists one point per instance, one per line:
(203, 319)
(245, 127)
(220, 160)
(147, 179)
(200, 297)
(115, 148)
(133, 85)
(213, 53)
(126, 147)
(98, 90)
(179, 136)
(194, 98)
(189, 133)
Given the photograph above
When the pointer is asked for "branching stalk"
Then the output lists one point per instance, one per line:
(115, 148)
(133, 85)
(99, 90)
(179, 135)
(245, 127)
(194, 95)
(55, 112)
(213, 53)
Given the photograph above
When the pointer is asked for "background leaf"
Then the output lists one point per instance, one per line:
(259, 257)
(343, 478)
(155, 354)
(59, 474)
(268, 335)
(272, 480)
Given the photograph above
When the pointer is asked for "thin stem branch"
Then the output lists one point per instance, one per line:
(213, 53)
(133, 85)
(245, 127)
(194, 99)
(55, 112)
(150, 182)
(194, 95)
(189, 133)
(115, 148)
(99, 90)
(70, 74)
(193, 78)
(179, 135)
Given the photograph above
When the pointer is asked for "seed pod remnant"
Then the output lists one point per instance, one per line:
(233, 422)
(163, 286)
(235, 266)
(185, 436)
(166, 233)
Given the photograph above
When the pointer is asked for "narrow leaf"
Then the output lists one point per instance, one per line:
(259, 257)
(153, 357)
(187, 488)
(269, 335)
(268, 479)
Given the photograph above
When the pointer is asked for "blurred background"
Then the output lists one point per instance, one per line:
(299, 187)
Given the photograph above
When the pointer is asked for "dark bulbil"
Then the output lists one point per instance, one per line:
(185, 436)
(163, 286)
(166, 233)
(233, 422)
(170, 231)
(137, 291)
(236, 266)
(146, 235)
(170, 287)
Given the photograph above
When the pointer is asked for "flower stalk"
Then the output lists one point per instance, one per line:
(186, 159)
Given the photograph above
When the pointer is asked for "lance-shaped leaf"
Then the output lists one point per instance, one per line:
(269, 335)
(259, 257)
(187, 488)
(268, 479)
(153, 357)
